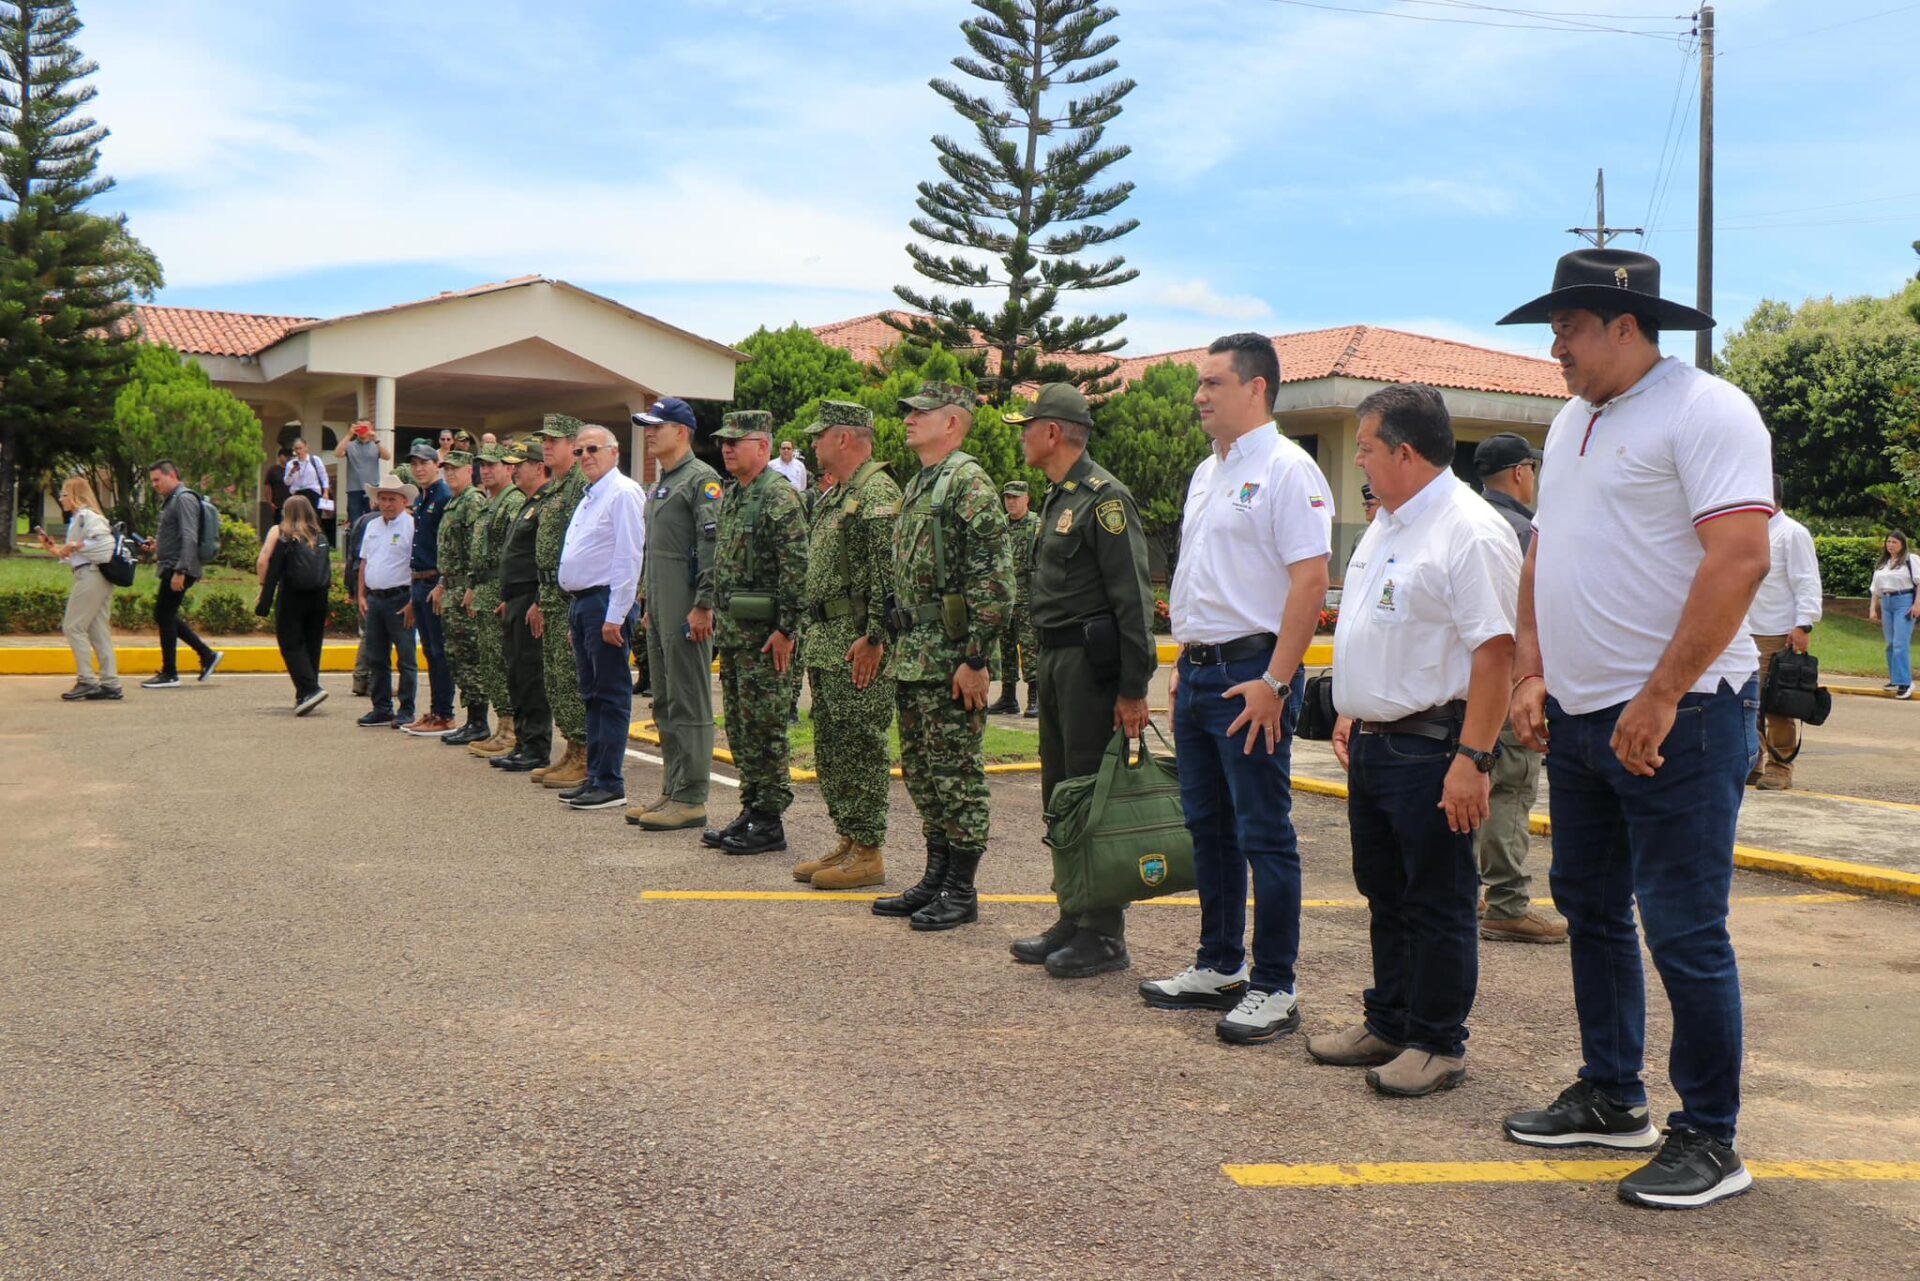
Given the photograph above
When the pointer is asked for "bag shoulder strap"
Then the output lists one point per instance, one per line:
(942, 490)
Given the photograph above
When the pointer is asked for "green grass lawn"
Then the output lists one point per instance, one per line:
(1849, 646)
(37, 569)
(1003, 746)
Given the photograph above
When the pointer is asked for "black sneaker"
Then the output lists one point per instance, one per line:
(212, 665)
(375, 720)
(1583, 1117)
(1691, 1170)
(105, 694)
(598, 798)
(161, 680)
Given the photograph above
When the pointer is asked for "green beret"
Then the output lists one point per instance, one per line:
(742, 423)
(1014, 489)
(559, 427)
(840, 413)
(933, 395)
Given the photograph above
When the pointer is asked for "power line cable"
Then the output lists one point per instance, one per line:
(1471, 22)
(1835, 26)
(1667, 141)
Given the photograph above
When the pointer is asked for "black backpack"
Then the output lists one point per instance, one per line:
(1793, 689)
(308, 568)
(1317, 715)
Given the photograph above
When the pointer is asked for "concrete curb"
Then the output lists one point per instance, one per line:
(643, 733)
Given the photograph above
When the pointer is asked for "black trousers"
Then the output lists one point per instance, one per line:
(300, 625)
(173, 628)
(527, 678)
(1076, 724)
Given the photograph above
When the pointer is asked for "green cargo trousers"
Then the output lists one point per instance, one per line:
(682, 676)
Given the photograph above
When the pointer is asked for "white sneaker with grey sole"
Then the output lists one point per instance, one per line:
(1260, 1016)
(1196, 988)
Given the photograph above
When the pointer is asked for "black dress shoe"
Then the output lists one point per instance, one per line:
(567, 797)
(514, 763)
(762, 834)
(1036, 950)
(598, 798)
(372, 719)
(713, 836)
(1090, 952)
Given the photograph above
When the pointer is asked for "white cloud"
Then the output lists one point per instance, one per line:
(1201, 297)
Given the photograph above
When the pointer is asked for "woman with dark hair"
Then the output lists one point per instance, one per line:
(1896, 604)
(295, 573)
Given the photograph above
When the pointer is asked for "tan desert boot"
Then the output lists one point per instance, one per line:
(862, 867)
(1353, 1047)
(570, 772)
(1417, 1073)
(634, 812)
(804, 871)
(1535, 927)
(674, 816)
(502, 742)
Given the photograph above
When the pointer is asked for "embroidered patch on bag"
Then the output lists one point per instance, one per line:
(1153, 870)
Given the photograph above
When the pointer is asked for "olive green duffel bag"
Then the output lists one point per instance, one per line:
(1119, 835)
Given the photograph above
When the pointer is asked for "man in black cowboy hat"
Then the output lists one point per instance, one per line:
(1633, 660)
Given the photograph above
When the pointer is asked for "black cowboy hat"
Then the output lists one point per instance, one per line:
(1612, 280)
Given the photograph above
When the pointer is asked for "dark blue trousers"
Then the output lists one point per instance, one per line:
(1240, 813)
(606, 687)
(1421, 881)
(433, 643)
(1666, 844)
(388, 633)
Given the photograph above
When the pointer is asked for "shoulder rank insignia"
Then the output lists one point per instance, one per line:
(1065, 522)
(1096, 483)
(712, 490)
(1113, 516)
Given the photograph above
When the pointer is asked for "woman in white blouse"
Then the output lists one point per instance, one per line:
(88, 545)
(1896, 604)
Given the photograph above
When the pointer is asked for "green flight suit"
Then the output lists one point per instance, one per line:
(683, 511)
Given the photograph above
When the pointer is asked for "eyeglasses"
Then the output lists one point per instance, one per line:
(581, 451)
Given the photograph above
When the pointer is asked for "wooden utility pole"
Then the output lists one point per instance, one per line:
(1703, 341)
(1599, 234)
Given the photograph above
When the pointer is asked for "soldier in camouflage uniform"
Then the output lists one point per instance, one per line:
(849, 577)
(953, 584)
(490, 535)
(759, 588)
(450, 594)
(561, 495)
(1019, 651)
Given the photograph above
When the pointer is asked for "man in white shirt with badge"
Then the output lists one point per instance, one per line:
(600, 573)
(791, 466)
(386, 600)
(1422, 662)
(1252, 577)
(1634, 672)
(1782, 616)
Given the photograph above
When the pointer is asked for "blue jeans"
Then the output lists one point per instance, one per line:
(433, 643)
(606, 687)
(1240, 814)
(1667, 843)
(388, 632)
(1420, 881)
(358, 505)
(1897, 629)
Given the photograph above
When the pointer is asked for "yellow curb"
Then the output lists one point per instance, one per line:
(1319, 654)
(144, 660)
(1310, 904)
(1366, 1174)
(1853, 691)
(645, 732)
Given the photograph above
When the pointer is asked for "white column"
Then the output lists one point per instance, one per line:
(383, 411)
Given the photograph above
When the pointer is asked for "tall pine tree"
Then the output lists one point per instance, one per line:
(65, 274)
(1022, 215)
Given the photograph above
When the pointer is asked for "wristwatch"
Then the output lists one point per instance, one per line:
(1482, 761)
(1280, 688)
(975, 661)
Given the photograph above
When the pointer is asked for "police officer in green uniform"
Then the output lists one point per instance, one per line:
(1092, 614)
(557, 502)
(676, 578)
(759, 588)
(520, 597)
(450, 593)
(489, 539)
(953, 588)
(1017, 643)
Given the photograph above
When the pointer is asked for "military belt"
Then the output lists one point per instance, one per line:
(828, 610)
(905, 618)
(1072, 636)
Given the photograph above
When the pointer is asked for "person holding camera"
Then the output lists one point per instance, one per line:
(1092, 614)
(88, 545)
(1782, 617)
(364, 454)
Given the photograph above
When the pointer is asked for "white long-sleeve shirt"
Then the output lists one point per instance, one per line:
(605, 542)
(1789, 596)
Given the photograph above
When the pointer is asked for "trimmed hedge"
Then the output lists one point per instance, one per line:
(1847, 564)
(220, 610)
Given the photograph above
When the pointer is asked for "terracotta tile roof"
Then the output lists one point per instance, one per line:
(1352, 351)
(1390, 356)
(213, 333)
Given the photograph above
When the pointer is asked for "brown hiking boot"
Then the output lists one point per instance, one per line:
(1356, 1046)
(674, 816)
(570, 772)
(502, 742)
(1535, 927)
(1417, 1073)
(863, 866)
(1770, 781)
(634, 813)
(803, 872)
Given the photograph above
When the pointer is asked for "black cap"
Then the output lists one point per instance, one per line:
(1497, 453)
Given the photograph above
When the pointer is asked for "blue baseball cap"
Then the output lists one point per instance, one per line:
(670, 410)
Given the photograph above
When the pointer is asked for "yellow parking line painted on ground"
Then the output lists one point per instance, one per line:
(1429, 1173)
(1311, 904)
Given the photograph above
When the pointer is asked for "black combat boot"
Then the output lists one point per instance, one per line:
(925, 890)
(761, 834)
(1098, 947)
(957, 903)
(1036, 950)
(713, 836)
(1033, 702)
(1009, 704)
(474, 730)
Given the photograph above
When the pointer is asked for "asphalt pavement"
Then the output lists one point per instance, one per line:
(288, 998)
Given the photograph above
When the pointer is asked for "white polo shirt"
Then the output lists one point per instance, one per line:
(1624, 488)
(1249, 515)
(1427, 586)
(386, 549)
(795, 471)
(1789, 596)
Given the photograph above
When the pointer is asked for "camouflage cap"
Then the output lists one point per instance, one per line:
(559, 427)
(458, 458)
(1014, 489)
(933, 395)
(489, 454)
(1061, 402)
(840, 413)
(742, 423)
(463, 440)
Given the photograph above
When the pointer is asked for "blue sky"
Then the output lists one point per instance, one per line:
(727, 163)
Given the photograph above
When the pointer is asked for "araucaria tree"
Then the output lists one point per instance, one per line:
(1024, 200)
(65, 274)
